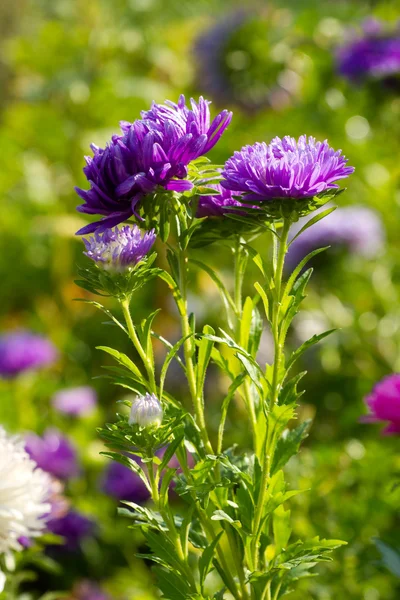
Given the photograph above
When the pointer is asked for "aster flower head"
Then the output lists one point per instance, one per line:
(146, 411)
(24, 490)
(356, 229)
(77, 401)
(150, 156)
(119, 250)
(121, 483)
(384, 404)
(24, 351)
(53, 453)
(373, 55)
(73, 527)
(286, 173)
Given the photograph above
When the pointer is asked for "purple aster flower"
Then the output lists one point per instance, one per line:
(119, 249)
(357, 229)
(152, 153)
(217, 205)
(22, 351)
(53, 453)
(88, 590)
(384, 404)
(77, 401)
(73, 527)
(285, 168)
(121, 483)
(374, 55)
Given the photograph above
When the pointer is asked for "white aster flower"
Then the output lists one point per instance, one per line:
(24, 490)
(146, 411)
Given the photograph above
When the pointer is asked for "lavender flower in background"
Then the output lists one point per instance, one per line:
(218, 205)
(74, 528)
(373, 55)
(285, 168)
(384, 404)
(24, 351)
(357, 229)
(53, 453)
(76, 402)
(121, 483)
(152, 153)
(88, 590)
(146, 411)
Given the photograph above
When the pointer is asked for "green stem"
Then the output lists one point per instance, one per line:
(136, 342)
(279, 259)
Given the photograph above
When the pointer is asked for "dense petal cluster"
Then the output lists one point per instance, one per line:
(77, 401)
(146, 411)
(217, 205)
(152, 152)
(357, 229)
(285, 168)
(53, 453)
(121, 249)
(374, 55)
(22, 351)
(24, 490)
(384, 404)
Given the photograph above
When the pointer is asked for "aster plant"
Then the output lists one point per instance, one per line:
(235, 518)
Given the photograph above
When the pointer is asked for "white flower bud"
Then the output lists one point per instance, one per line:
(146, 411)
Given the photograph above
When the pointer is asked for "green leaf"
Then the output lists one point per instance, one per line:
(203, 358)
(170, 356)
(281, 528)
(172, 584)
(301, 349)
(225, 295)
(171, 449)
(124, 360)
(288, 445)
(317, 217)
(299, 268)
(205, 561)
(264, 298)
(146, 334)
(169, 280)
(224, 409)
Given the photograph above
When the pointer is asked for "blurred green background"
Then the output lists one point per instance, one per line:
(70, 70)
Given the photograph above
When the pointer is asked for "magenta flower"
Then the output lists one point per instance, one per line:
(77, 401)
(384, 404)
(53, 453)
(23, 351)
(119, 249)
(151, 154)
(285, 168)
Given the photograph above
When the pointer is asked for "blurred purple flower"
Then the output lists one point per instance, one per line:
(53, 453)
(374, 55)
(121, 483)
(357, 229)
(73, 527)
(77, 401)
(285, 168)
(119, 249)
(153, 152)
(218, 205)
(22, 351)
(88, 590)
(384, 404)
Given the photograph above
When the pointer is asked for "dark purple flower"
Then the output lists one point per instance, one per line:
(77, 401)
(88, 590)
(285, 168)
(218, 205)
(121, 483)
(384, 404)
(53, 453)
(374, 55)
(22, 351)
(119, 249)
(151, 153)
(73, 527)
(357, 229)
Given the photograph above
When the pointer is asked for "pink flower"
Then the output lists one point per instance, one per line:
(384, 404)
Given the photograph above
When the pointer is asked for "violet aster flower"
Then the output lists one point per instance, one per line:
(218, 205)
(151, 154)
(284, 169)
(88, 590)
(121, 483)
(384, 404)
(357, 229)
(22, 351)
(77, 401)
(73, 527)
(374, 55)
(121, 249)
(53, 453)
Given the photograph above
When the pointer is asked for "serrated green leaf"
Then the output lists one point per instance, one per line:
(205, 560)
(288, 445)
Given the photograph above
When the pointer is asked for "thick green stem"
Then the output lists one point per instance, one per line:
(136, 342)
(268, 447)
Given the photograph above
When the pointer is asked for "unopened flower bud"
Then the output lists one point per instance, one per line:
(146, 411)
